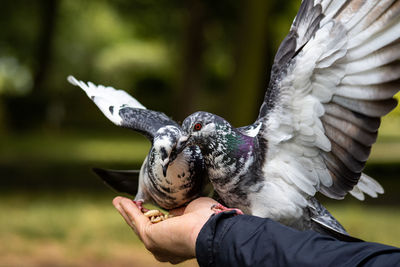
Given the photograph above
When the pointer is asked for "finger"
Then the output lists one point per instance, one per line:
(117, 200)
(168, 258)
(141, 223)
(177, 260)
(117, 205)
(134, 214)
(160, 258)
(128, 220)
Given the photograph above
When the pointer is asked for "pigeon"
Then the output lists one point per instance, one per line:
(186, 178)
(333, 77)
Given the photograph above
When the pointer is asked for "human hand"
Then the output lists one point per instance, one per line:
(172, 240)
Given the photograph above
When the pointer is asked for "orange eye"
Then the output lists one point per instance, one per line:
(197, 126)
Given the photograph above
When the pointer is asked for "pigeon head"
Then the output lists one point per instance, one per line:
(164, 143)
(196, 130)
(200, 127)
(211, 133)
(199, 123)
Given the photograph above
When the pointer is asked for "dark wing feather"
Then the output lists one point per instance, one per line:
(307, 22)
(145, 121)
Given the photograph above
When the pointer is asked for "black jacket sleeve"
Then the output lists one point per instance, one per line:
(228, 240)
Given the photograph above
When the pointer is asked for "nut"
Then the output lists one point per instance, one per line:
(156, 216)
(152, 213)
(167, 216)
(156, 219)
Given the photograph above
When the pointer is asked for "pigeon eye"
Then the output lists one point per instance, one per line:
(197, 126)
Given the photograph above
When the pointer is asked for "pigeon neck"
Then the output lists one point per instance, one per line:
(238, 145)
(229, 150)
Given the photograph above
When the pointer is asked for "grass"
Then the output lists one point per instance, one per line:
(83, 229)
(387, 148)
(370, 223)
(67, 229)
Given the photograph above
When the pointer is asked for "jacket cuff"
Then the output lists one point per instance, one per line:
(207, 240)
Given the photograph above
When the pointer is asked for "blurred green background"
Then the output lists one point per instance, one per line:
(174, 56)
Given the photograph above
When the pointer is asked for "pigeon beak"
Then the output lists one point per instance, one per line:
(165, 165)
(164, 169)
(180, 146)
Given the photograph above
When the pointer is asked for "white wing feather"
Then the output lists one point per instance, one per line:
(106, 97)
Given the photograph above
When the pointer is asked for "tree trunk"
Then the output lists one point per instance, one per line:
(45, 42)
(36, 102)
(250, 76)
(192, 61)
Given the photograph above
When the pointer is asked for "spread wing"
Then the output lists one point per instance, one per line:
(333, 77)
(124, 110)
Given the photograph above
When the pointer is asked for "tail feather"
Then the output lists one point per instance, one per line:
(366, 185)
(324, 223)
(121, 181)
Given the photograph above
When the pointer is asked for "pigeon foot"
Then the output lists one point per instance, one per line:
(139, 204)
(218, 208)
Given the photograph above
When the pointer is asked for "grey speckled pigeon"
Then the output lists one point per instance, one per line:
(333, 77)
(186, 177)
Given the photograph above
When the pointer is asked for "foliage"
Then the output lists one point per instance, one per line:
(181, 51)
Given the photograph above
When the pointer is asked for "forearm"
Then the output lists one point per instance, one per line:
(227, 240)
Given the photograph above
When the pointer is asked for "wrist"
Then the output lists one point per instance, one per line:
(196, 229)
(194, 233)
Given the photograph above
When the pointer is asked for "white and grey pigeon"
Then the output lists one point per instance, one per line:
(186, 178)
(333, 77)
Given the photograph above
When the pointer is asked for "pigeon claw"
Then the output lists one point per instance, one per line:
(139, 204)
(218, 208)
